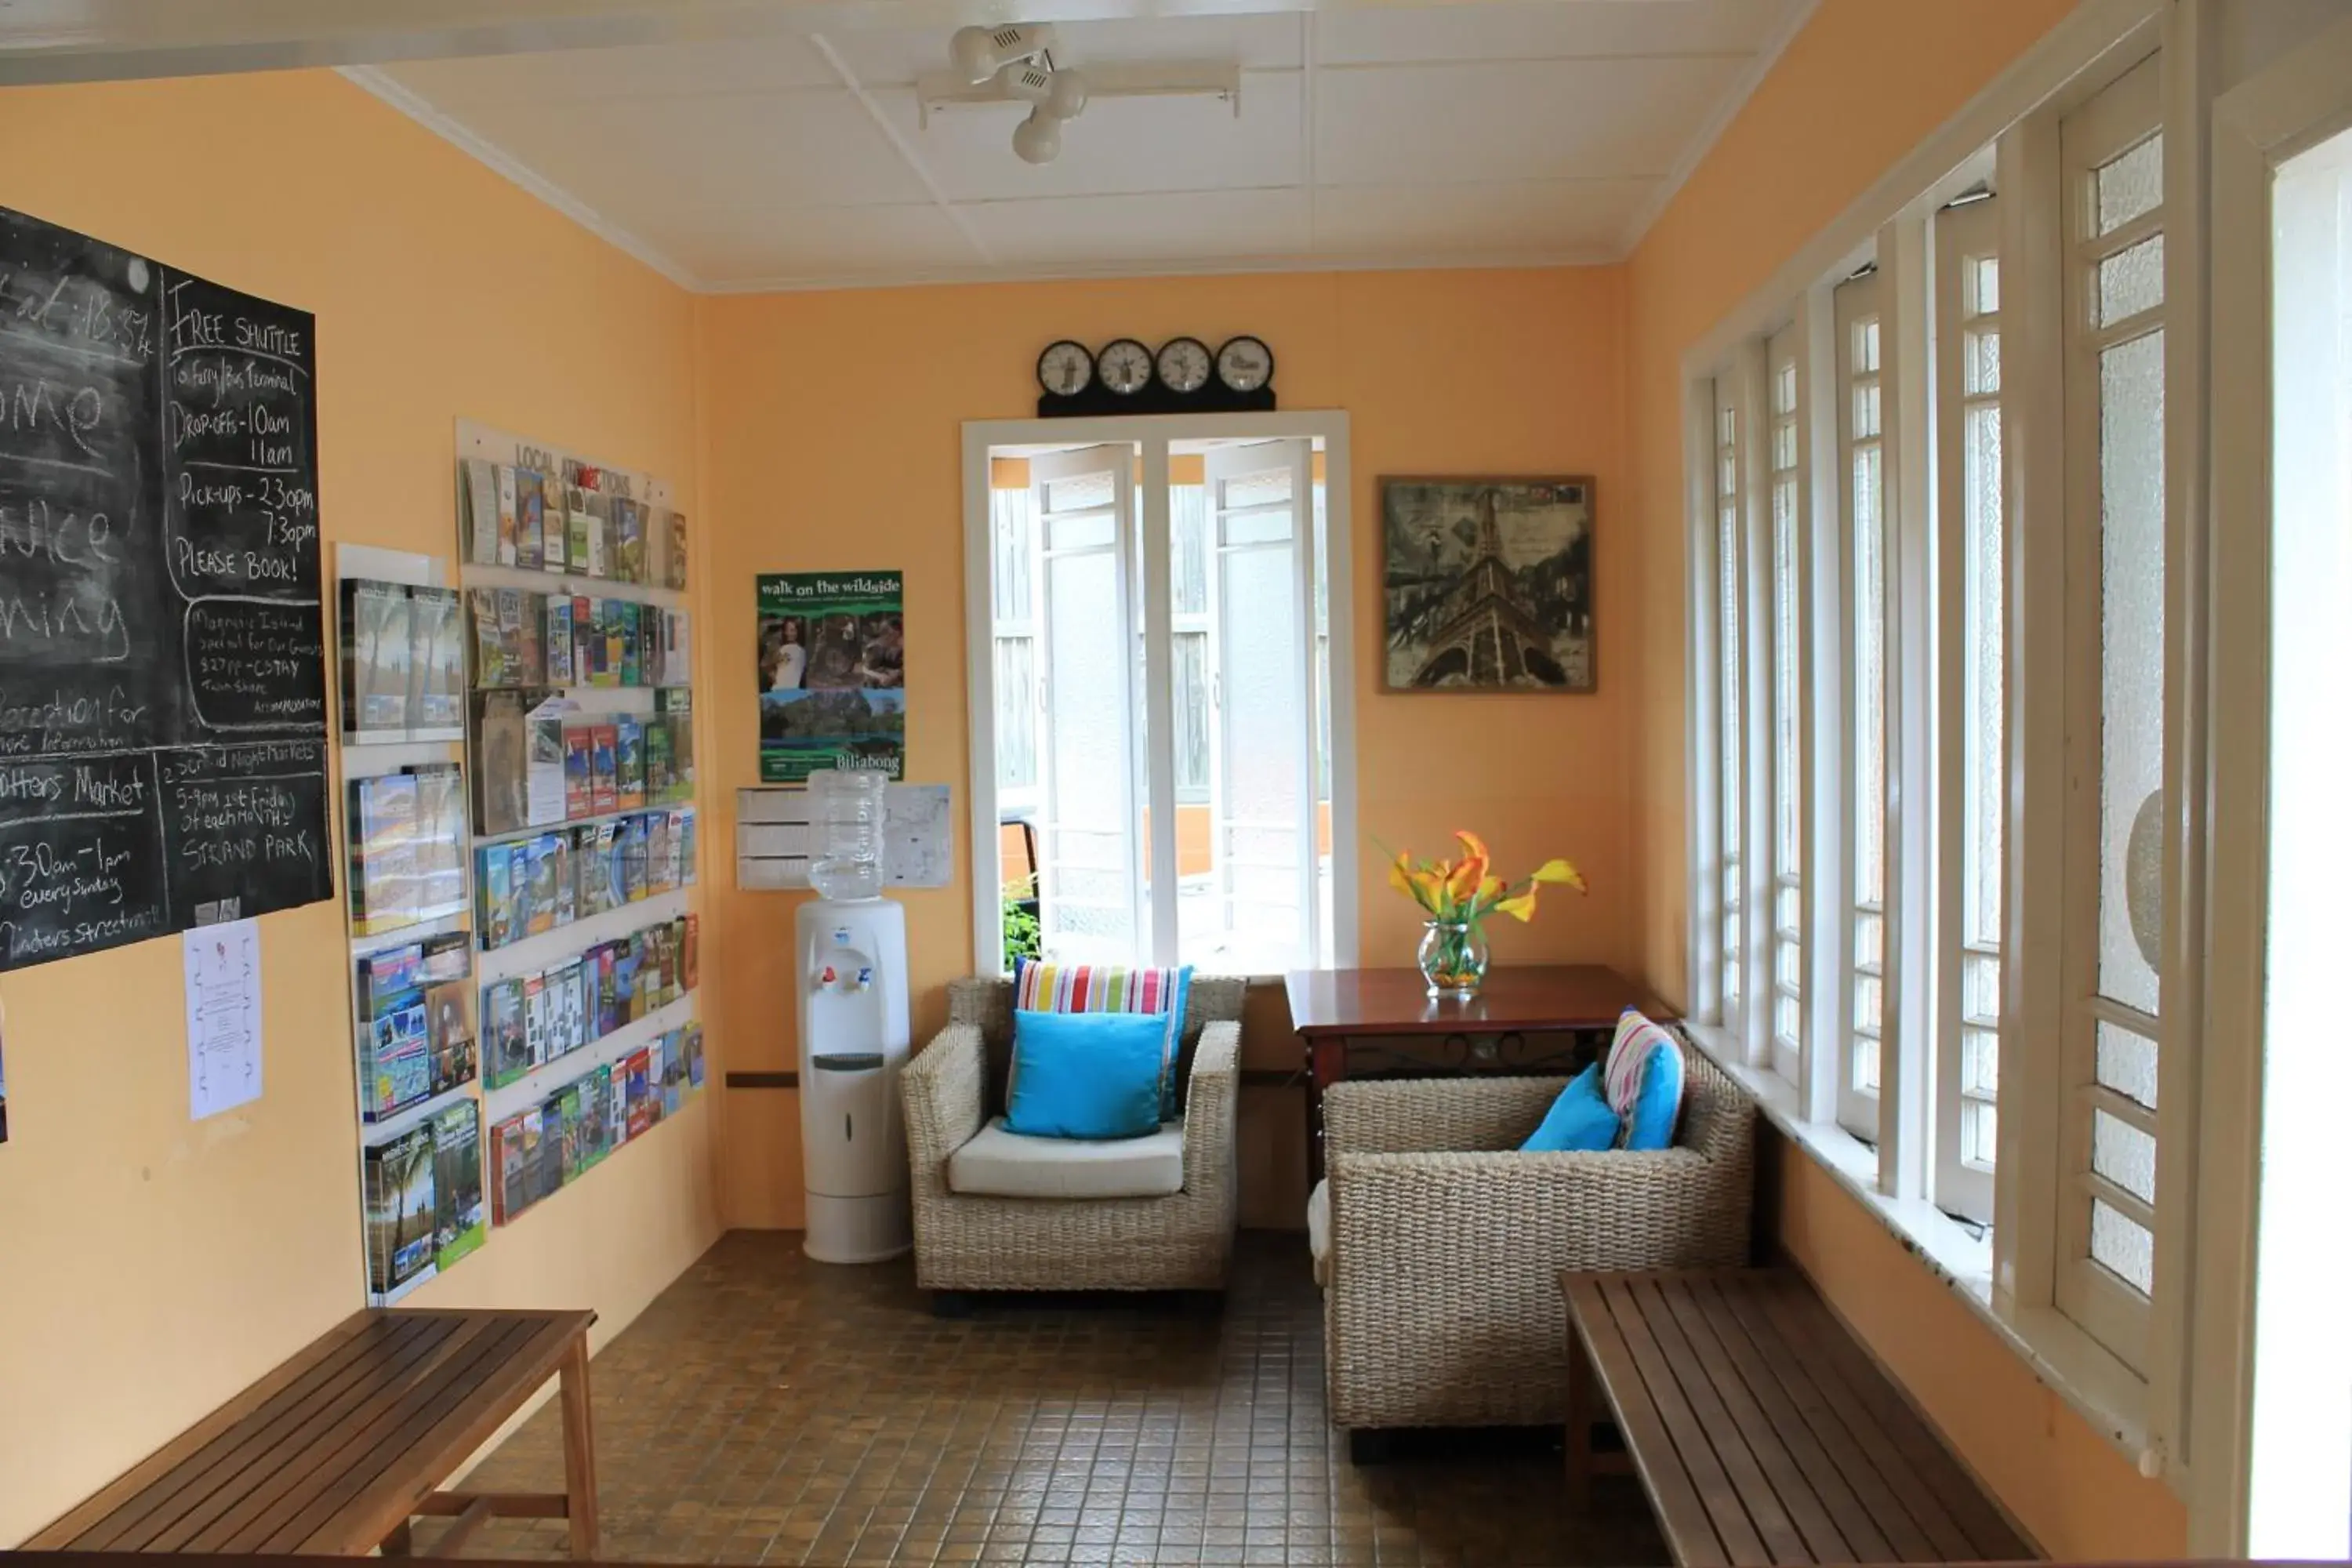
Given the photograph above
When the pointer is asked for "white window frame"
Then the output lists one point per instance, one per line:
(1789, 676)
(1152, 435)
(1964, 233)
(1852, 1029)
(2010, 1275)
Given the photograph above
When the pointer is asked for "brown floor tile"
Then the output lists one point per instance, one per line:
(767, 1410)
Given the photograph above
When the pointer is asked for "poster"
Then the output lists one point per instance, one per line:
(224, 981)
(833, 680)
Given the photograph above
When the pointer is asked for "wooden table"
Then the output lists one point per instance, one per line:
(1383, 1022)
(1761, 1430)
(335, 1451)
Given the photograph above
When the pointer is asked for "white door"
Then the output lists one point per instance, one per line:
(1261, 910)
(1090, 878)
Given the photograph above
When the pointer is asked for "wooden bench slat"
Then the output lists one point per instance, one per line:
(67, 1530)
(1989, 1532)
(1865, 1542)
(1822, 1539)
(228, 1467)
(458, 1429)
(1907, 1540)
(379, 1437)
(1741, 1459)
(308, 1467)
(1798, 1331)
(1681, 1515)
(1763, 1431)
(1719, 1498)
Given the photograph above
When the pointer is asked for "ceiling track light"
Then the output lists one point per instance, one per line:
(1015, 61)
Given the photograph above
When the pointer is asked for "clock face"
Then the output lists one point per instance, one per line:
(1183, 364)
(1125, 366)
(1065, 368)
(1244, 365)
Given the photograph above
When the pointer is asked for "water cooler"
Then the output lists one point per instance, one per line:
(851, 947)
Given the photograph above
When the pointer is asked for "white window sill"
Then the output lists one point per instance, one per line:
(2097, 1386)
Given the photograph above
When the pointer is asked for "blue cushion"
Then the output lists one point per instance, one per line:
(1657, 1073)
(1084, 1075)
(1579, 1119)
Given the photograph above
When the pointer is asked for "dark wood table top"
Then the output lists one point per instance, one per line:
(1519, 996)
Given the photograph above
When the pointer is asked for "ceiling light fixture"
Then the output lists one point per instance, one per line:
(1015, 60)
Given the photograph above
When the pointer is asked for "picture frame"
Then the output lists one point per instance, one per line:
(1486, 583)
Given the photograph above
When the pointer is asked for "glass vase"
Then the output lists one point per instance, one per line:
(1453, 959)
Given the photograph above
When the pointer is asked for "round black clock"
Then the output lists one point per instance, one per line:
(1124, 366)
(1244, 365)
(1183, 364)
(1065, 368)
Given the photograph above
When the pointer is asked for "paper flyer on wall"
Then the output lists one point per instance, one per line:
(832, 674)
(223, 995)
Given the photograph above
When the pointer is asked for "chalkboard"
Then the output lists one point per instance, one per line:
(162, 682)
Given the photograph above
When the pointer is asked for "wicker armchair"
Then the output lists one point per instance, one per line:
(1444, 1305)
(965, 1242)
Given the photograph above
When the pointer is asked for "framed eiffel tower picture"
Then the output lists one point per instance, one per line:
(1486, 583)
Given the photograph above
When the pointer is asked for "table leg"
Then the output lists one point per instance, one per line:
(579, 1451)
(1580, 1423)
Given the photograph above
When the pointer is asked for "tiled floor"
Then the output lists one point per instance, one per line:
(769, 1409)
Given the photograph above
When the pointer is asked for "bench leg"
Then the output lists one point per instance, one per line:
(579, 1451)
(397, 1544)
(1578, 1436)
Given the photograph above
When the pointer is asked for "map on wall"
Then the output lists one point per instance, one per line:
(162, 691)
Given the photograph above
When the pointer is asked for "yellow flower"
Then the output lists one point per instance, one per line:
(1559, 871)
(1521, 908)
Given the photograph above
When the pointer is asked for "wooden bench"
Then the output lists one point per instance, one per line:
(1760, 1429)
(335, 1451)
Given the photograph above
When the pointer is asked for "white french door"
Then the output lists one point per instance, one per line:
(1090, 871)
(1263, 784)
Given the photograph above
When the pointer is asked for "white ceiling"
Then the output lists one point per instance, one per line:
(1462, 133)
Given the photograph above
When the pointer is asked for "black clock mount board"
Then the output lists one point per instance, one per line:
(1095, 399)
(162, 685)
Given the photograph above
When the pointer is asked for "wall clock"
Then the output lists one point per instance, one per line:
(1182, 376)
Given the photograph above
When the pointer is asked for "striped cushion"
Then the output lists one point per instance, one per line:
(1043, 987)
(1643, 1082)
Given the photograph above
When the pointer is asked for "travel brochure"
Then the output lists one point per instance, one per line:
(539, 761)
(423, 1192)
(403, 663)
(407, 837)
(530, 1020)
(526, 887)
(522, 638)
(572, 1131)
(416, 1022)
(556, 515)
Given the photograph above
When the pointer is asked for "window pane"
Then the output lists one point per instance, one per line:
(1015, 536)
(1247, 916)
(1981, 655)
(1191, 695)
(1016, 713)
(1870, 681)
(2131, 281)
(1081, 530)
(2124, 1155)
(2126, 1063)
(2130, 186)
(1089, 914)
(1980, 1134)
(1079, 492)
(2122, 1247)
(1979, 1063)
(1982, 363)
(1983, 285)
(1188, 522)
(2131, 663)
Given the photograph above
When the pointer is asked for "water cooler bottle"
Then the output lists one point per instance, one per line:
(851, 947)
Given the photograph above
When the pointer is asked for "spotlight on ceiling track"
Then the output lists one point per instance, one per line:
(1016, 60)
(982, 52)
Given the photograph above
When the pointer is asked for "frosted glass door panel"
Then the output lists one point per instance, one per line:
(2131, 667)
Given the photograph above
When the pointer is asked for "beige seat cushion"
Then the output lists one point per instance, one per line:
(1004, 1165)
(1318, 1231)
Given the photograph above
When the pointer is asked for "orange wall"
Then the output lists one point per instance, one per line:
(832, 427)
(1789, 165)
(151, 1267)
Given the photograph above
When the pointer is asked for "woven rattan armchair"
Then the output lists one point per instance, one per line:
(969, 1243)
(1444, 1306)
